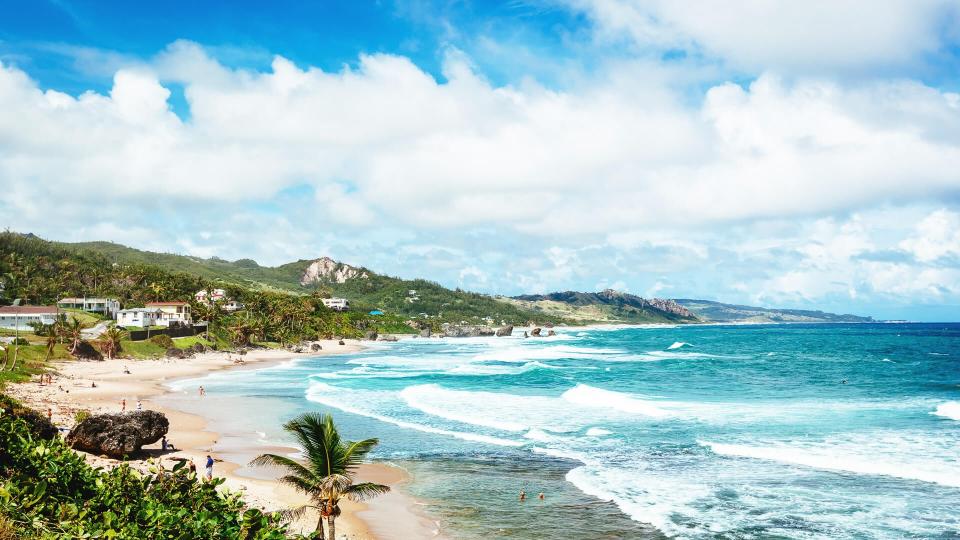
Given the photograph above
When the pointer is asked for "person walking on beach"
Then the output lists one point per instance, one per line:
(139, 405)
(202, 391)
(209, 467)
(50, 414)
(123, 405)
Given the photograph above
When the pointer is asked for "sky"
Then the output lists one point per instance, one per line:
(774, 153)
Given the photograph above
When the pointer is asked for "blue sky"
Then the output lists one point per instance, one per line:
(808, 160)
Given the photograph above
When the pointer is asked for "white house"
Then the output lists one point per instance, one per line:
(107, 306)
(142, 317)
(172, 312)
(20, 317)
(336, 304)
(231, 305)
(213, 295)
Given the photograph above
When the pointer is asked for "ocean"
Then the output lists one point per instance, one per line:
(748, 431)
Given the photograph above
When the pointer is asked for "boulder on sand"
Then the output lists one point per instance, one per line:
(118, 435)
(505, 331)
(425, 332)
(315, 347)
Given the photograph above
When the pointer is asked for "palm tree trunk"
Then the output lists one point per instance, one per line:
(320, 527)
(331, 528)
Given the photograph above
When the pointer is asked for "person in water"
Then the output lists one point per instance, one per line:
(523, 495)
(540, 496)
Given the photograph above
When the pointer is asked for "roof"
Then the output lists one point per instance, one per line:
(88, 299)
(27, 310)
(138, 310)
(167, 303)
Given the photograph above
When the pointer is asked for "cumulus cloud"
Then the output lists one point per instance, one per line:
(784, 35)
(619, 178)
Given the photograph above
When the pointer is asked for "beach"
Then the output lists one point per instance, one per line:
(194, 436)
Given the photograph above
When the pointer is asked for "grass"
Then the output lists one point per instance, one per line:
(30, 362)
(190, 341)
(140, 350)
(86, 318)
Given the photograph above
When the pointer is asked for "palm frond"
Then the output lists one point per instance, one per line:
(365, 490)
(293, 514)
(292, 466)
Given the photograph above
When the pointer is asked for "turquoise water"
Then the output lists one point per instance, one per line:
(773, 431)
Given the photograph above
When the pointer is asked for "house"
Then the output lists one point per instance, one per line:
(172, 312)
(231, 305)
(213, 295)
(142, 317)
(20, 317)
(106, 306)
(336, 304)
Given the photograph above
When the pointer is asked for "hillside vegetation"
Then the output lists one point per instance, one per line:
(607, 306)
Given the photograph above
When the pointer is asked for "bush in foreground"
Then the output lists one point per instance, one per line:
(48, 491)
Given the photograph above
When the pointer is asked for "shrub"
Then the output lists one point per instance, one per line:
(7, 531)
(81, 415)
(162, 340)
(49, 491)
(19, 341)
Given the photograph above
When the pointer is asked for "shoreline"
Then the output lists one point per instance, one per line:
(194, 438)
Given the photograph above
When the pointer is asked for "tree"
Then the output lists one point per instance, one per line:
(328, 474)
(110, 342)
(73, 331)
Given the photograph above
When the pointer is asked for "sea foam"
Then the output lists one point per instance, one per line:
(950, 409)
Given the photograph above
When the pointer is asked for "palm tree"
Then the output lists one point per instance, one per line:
(328, 474)
(72, 329)
(110, 342)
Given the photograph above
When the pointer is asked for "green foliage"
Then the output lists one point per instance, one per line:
(162, 340)
(48, 491)
(141, 350)
(81, 415)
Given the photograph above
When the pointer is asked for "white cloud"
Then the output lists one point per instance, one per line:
(938, 235)
(783, 34)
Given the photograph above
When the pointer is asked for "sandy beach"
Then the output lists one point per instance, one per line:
(390, 516)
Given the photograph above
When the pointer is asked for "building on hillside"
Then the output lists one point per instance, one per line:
(142, 317)
(108, 307)
(231, 305)
(336, 304)
(172, 312)
(20, 317)
(212, 295)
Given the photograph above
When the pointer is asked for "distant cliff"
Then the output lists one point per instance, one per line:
(327, 270)
(607, 306)
(719, 312)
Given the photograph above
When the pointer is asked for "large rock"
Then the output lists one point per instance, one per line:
(316, 347)
(118, 435)
(535, 332)
(505, 331)
(468, 331)
(425, 332)
(370, 335)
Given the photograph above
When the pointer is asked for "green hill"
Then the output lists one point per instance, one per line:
(607, 306)
(720, 312)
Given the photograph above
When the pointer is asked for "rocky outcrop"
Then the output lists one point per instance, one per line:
(467, 331)
(314, 347)
(87, 351)
(505, 331)
(371, 335)
(425, 332)
(174, 352)
(118, 435)
(327, 270)
(671, 306)
(551, 333)
(535, 332)
(388, 338)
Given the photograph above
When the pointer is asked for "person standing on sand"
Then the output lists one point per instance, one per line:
(202, 391)
(50, 414)
(123, 405)
(209, 467)
(139, 405)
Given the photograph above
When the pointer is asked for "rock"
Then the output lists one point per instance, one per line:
(341, 342)
(551, 333)
(315, 347)
(468, 331)
(548, 325)
(525, 334)
(118, 435)
(174, 352)
(370, 335)
(388, 338)
(535, 332)
(327, 270)
(505, 331)
(425, 332)
(198, 348)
